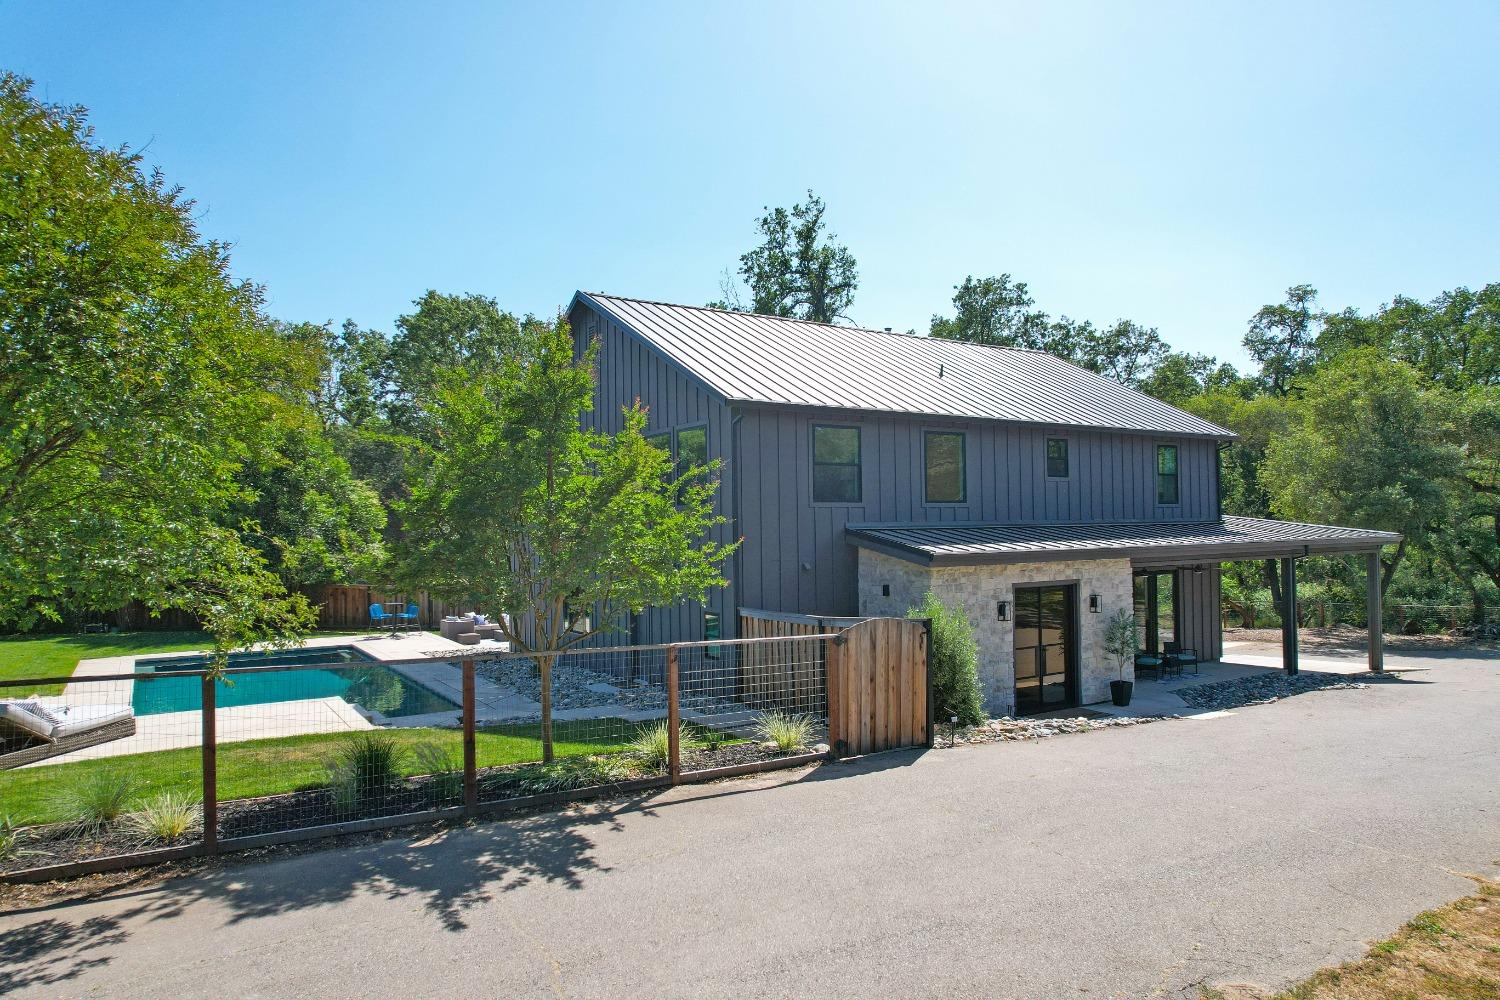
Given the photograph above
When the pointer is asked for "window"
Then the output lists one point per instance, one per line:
(1057, 458)
(692, 448)
(662, 440)
(944, 454)
(836, 476)
(1166, 473)
(711, 631)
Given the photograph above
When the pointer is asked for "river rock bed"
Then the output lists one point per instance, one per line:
(575, 686)
(1012, 730)
(1261, 690)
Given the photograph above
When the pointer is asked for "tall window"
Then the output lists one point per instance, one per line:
(711, 631)
(692, 448)
(1166, 473)
(944, 454)
(836, 476)
(1057, 458)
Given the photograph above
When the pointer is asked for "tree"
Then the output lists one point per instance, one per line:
(1370, 446)
(559, 527)
(798, 270)
(1180, 376)
(136, 376)
(1282, 339)
(443, 332)
(954, 656)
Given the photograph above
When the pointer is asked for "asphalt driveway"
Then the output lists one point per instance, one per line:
(1133, 862)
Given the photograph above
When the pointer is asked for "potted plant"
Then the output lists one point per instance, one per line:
(1119, 642)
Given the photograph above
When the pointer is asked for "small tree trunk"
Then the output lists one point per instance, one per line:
(545, 663)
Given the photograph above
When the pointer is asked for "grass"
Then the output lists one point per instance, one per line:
(1451, 953)
(33, 795)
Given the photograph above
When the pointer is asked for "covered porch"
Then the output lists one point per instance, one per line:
(1040, 595)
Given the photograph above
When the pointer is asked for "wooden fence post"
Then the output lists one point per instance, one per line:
(471, 763)
(210, 767)
(674, 717)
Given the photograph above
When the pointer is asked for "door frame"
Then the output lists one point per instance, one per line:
(1073, 682)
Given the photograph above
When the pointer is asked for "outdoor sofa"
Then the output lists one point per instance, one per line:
(34, 729)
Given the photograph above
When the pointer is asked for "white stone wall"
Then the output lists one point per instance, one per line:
(978, 588)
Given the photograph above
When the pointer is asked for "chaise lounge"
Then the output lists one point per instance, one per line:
(32, 730)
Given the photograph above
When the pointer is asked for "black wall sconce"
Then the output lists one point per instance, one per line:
(1002, 611)
(1095, 604)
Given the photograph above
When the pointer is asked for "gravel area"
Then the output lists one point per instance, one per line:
(575, 686)
(1261, 690)
(1009, 730)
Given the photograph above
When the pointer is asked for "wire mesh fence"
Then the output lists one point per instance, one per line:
(166, 757)
(1402, 618)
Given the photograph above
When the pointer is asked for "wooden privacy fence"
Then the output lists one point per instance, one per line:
(879, 687)
(769, 676)
(341, 607)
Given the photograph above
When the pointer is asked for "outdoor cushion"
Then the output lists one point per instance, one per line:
(31, 716)
(75, 719)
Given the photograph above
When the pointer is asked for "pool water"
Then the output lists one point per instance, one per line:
(362, 682)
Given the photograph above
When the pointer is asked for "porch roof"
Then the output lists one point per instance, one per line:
(1146, 544)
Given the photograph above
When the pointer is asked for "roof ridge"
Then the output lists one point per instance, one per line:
(793, 319)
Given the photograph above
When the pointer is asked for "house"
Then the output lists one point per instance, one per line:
(863, 468)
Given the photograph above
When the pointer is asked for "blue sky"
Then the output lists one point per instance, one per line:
(1176, 164)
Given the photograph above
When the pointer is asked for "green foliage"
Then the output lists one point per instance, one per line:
(524, 511)
(798, 270)
(445, 767)
(1120, 639)
(787, 731)
(97, 798)
(136, 377)
(8, 837)
(167, 817)
(1283, 338)
(366, 766)
(652, 744)
(567, 775)
(954, 657)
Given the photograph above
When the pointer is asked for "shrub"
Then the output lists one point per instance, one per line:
(572, 772)
(650, 745)
(364, 768)
(7, 837)
(445, 767)
(954, 656)
(786, 731)
(98, 799)
(166, 817)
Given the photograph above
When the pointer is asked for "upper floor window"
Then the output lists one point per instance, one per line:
(1166, 474)
(692, 448)
(943, 452)
(1057, 458)
(662, 440)
(711, 631)
(836, 469)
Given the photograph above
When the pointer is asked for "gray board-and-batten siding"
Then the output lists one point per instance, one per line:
(795, 556)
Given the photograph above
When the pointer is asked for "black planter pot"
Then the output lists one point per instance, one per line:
(1120, 691)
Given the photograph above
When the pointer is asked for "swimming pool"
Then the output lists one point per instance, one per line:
(362, 682)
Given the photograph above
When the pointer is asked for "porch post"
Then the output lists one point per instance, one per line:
(1153, 617)
(1374, 613)
(1289, 615)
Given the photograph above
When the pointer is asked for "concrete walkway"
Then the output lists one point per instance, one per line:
(1127, 863)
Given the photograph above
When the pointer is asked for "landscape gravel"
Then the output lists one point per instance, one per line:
(1260, 690)
(1008, 729)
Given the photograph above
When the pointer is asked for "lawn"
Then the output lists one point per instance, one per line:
(1451, 953)
(33, 795)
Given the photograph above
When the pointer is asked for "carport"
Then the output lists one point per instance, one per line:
(1193, 550)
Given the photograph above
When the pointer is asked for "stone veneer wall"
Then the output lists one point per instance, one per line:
(977, 588)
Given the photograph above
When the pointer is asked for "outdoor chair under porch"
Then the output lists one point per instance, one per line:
(1178, 656)
(1148, 661)
(32, 730)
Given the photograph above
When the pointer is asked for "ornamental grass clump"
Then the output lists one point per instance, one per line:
(651, 744)
(167, 817)
(445, 769)
(98, 799)
(785, 731)
(366, 767)
(573, 772)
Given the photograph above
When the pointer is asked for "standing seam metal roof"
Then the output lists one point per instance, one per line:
(745, 357)
(1228, 538)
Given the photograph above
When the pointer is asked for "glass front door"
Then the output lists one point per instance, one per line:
(1044, 649)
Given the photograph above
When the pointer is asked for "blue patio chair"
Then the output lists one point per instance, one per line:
(380, 617)
(411, 616)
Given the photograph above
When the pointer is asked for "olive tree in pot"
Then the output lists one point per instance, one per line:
(1120, 642)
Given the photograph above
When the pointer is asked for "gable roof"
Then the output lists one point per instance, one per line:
(745, 357)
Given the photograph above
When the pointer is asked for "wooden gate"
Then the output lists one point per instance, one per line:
(878, 687)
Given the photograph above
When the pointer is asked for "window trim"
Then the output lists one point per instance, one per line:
(1067, 458)
(813, 463)
(1176, 476)
(963, 467)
